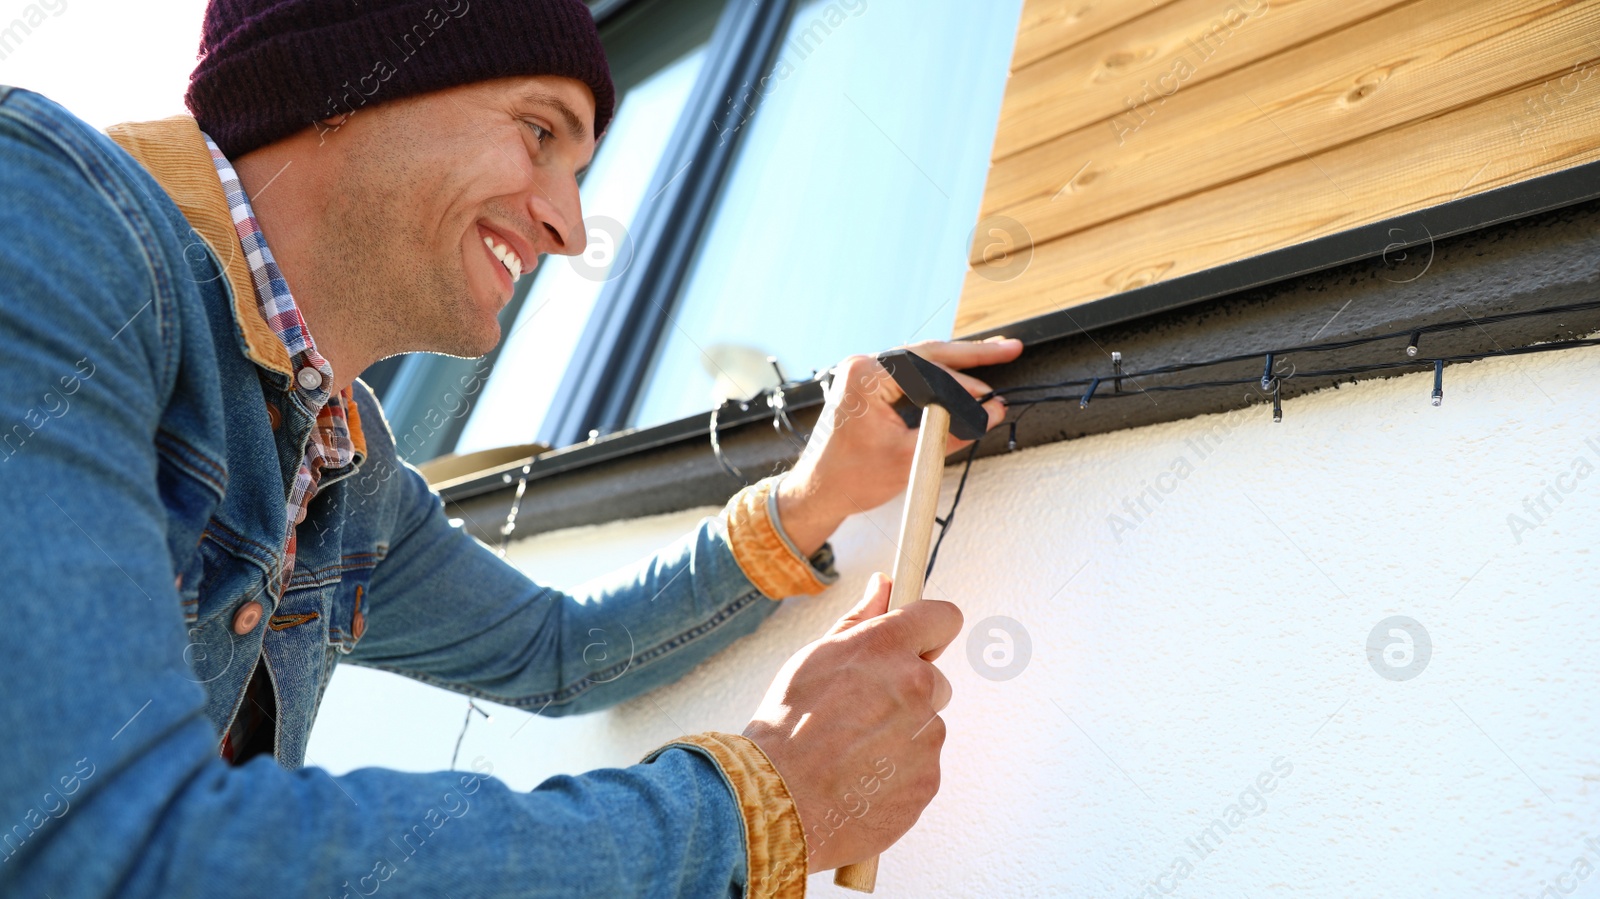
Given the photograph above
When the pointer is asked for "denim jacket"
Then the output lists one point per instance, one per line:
(149, 433)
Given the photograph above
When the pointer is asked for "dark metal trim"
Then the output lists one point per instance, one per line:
(627, 443)
(614, 354)
(1390, 236)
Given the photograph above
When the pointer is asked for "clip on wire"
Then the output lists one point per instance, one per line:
(780, 409)
(778, 402)
(1411, 348)
(1116, 370)
(1266, 374)
(1277, 401)
(516, 506)
(1438, 381)
(1011, 443)
(716, 448)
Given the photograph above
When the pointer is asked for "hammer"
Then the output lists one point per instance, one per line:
(938, 406)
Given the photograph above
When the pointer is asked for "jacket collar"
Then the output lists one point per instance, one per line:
(175, 153)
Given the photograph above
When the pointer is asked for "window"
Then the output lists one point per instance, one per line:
(844, 224)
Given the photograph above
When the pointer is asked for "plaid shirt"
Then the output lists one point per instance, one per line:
(330, 445)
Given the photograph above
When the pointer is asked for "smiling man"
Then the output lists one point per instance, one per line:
(204, 512)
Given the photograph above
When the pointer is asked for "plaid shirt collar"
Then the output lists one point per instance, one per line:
(330, 445)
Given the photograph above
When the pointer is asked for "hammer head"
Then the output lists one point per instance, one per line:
(926, 384)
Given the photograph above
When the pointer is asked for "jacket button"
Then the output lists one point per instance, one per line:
(246, 619)
(358, 621)
(274, 417)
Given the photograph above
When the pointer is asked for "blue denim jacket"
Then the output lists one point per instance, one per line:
(143, 500)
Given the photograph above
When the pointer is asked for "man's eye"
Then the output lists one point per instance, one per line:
(539, 131)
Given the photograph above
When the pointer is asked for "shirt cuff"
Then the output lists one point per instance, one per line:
(765, 553)
(775, 843)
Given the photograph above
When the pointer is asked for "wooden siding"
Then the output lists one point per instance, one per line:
(1134, 148)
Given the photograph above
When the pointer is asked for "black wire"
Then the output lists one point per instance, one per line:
(949, 517)
(1414, 362)
(471, 707)
(1024, 404)
(1457, 325)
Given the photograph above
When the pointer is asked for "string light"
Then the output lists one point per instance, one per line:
(516, 506)
(1341, 345)
(1008, 392)
(1066, 390)
(1020, 399)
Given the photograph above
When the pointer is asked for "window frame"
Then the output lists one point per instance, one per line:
(612, 359)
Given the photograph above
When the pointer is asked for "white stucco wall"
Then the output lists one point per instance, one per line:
(1174, 662)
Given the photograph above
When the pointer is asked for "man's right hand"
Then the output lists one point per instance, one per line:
(852, 725)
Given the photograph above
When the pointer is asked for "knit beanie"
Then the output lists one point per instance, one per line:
(268, 68)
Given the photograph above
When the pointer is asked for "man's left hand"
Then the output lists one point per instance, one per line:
(859, 455)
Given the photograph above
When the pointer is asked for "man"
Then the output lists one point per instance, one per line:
(204, 511)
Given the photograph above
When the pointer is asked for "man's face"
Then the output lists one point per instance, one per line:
(442, 197)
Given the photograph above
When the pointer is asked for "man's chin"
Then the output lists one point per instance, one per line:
(471, 328)
(448, 317)
(470, 346)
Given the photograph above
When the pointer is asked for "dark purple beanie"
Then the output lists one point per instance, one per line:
(269, 68)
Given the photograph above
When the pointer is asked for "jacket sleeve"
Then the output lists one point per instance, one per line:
(112, 784)
(445, 609)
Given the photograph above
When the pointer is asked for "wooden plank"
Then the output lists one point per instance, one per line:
(1520, 134)
(1111, 74)
(1418, 60)
(1049, 26)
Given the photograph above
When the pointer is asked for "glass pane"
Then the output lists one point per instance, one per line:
(845, 222)
(539, 345)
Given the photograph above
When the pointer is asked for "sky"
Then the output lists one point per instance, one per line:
(108, 61)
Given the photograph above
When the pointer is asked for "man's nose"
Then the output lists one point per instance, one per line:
(576, 239)
(560, 213)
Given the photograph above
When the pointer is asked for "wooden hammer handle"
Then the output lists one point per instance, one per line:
(911, 563)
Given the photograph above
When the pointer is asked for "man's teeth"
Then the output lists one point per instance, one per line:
(507, 257)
